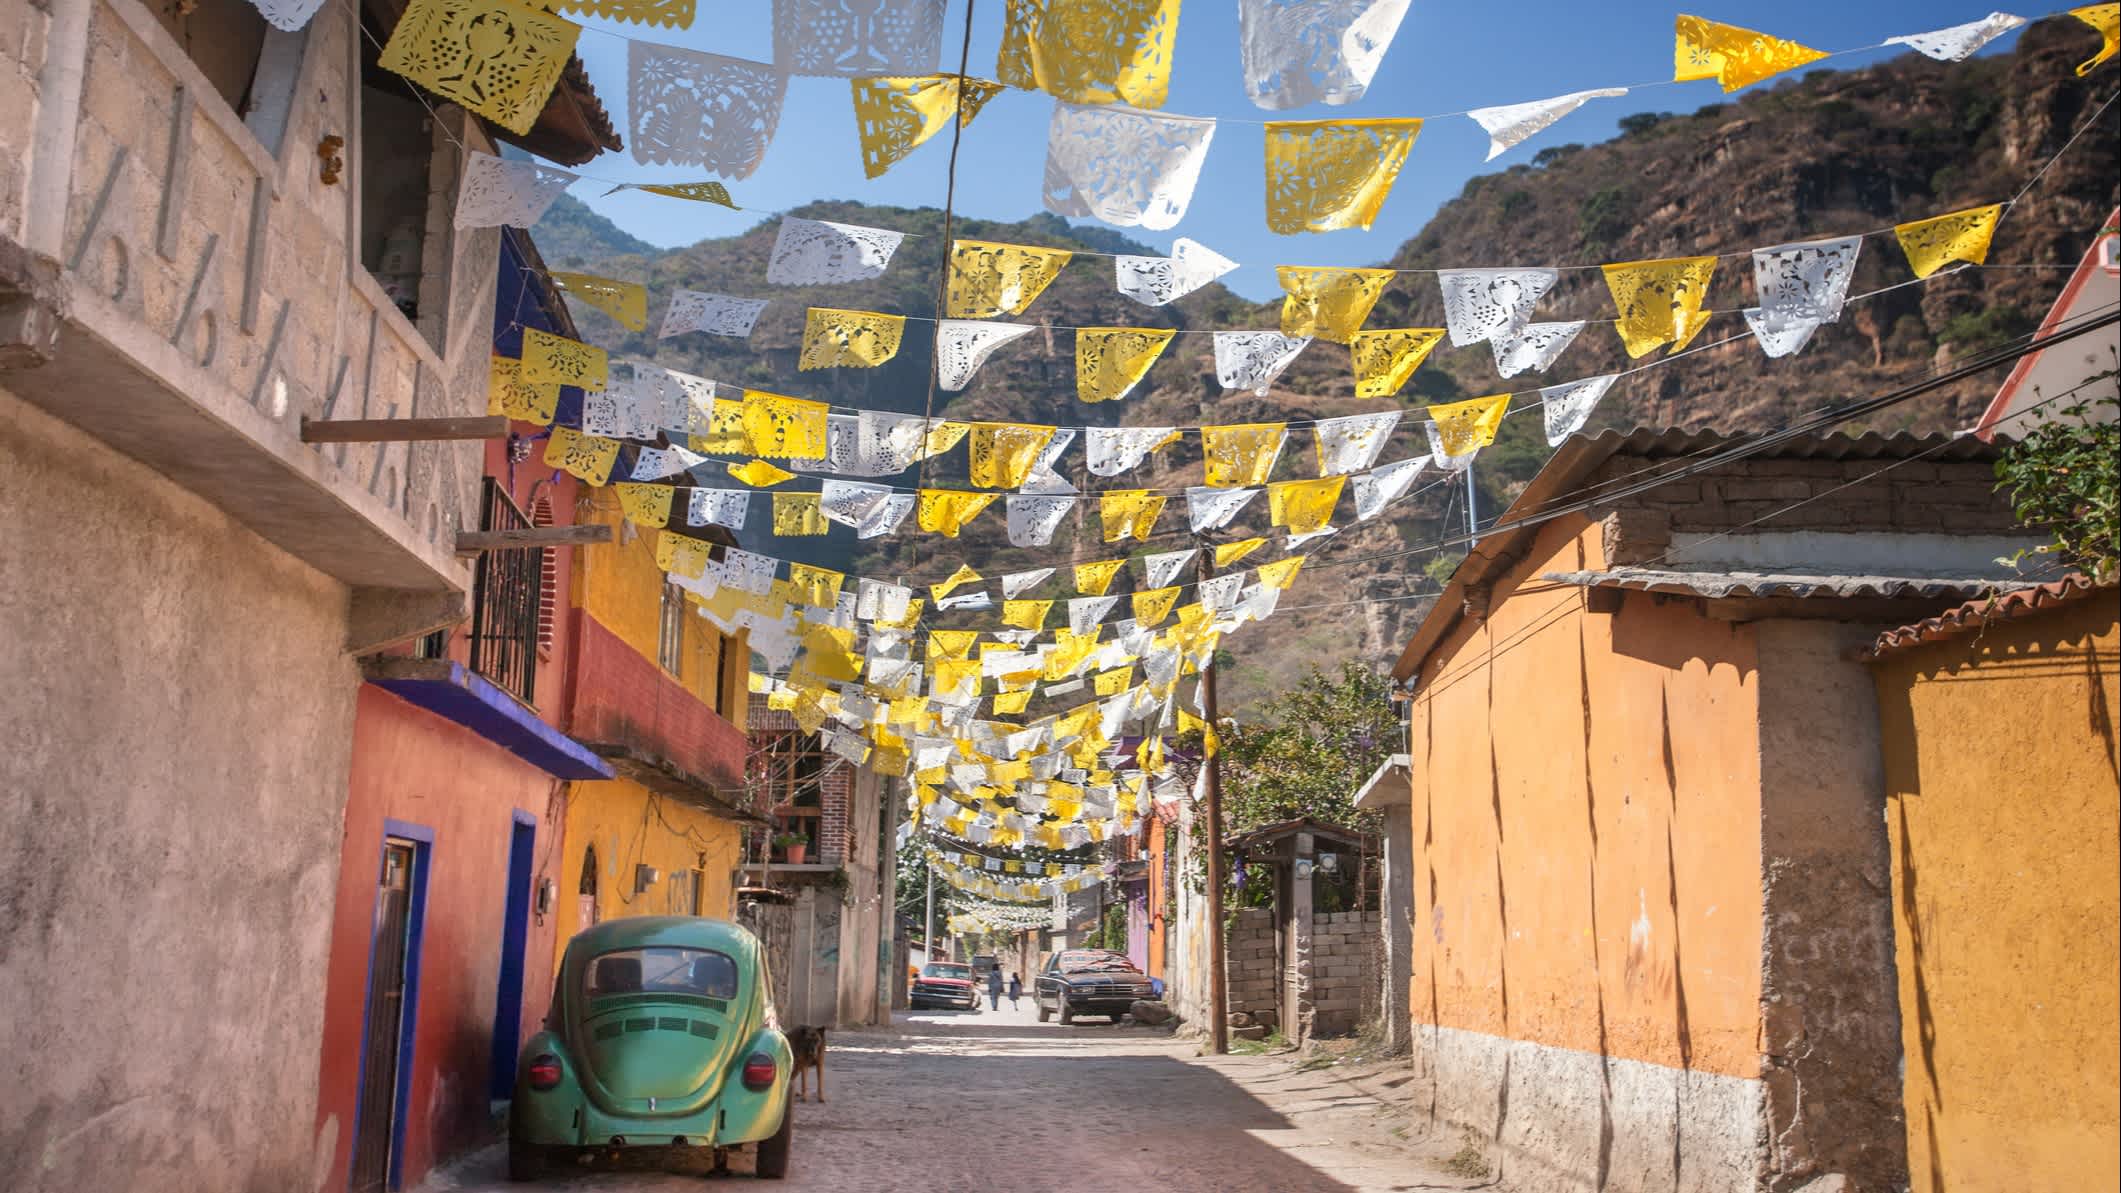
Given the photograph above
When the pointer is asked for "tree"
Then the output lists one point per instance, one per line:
(2062, 482)
(1313, 747)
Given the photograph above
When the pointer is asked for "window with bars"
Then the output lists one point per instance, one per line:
(670, 636)
(504, 602)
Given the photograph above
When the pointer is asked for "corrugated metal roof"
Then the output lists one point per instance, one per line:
(1974, 615)
(1721, 585)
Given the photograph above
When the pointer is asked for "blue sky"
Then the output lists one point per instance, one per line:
(1447, 57)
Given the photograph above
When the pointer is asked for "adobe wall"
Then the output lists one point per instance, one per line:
(1830, 1022)
(177, 708)
(1915, 495)
(1999, 753)
(1586, 882)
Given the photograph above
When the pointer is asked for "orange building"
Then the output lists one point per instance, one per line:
(1998, 728)
(1642, 818)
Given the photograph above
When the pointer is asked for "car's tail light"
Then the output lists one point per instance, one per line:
(544, 1071)
(760, 1071)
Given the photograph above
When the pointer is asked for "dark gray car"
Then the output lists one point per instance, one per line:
(1088, 982)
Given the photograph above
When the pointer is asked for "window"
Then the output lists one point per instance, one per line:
(661, 969)
(224, 39)
(684, 892)
(504, 603)
(730, 676)
(670, 637)
(396, 145)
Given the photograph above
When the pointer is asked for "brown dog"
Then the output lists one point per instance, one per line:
(808, 1044)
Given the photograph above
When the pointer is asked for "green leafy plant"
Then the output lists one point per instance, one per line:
(2062, 481)
(1309, 750)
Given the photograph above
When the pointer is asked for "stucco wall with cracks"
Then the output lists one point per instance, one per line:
(177, 713)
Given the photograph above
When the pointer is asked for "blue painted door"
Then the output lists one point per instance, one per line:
(515, 932)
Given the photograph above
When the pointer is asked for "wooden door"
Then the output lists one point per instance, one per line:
(383, 1029)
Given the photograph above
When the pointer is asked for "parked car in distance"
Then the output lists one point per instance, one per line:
(944, 984)
(1088, 982)
(662, 1039)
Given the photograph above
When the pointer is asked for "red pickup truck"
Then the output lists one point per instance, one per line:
(944, 984)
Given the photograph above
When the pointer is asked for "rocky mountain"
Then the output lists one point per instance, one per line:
(1825, 154)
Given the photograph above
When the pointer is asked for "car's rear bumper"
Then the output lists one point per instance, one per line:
(565, 1117)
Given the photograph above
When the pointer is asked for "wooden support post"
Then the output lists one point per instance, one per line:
(472, 542)
(402, 430)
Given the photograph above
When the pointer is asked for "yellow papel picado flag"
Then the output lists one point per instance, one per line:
(1241, 456)
(1229, 553)
(894, 114)
(1304, 506)
(1933, 243)
(1092, 579)
(1151, 607)
(988, 279)
(1660, 301)
(836, 339)
(589, 457)
(495, 57)
(558, 360)
(2106, 18)
(682, 555)
(963, 575)
(798, 515)
(1112, 51)
(759, 474)
(784, 428)
(1025, 614)
(1469, 425)
(646, 505)
(1110, 361)
(1004, 453)
(1386, 359)
(626, 302)
(1328, 174)
(1732, 56)
(507, 393)
(946, 511)
(1129, 513)
(1328, 303)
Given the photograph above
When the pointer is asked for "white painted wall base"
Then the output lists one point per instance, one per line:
(1566, 1120)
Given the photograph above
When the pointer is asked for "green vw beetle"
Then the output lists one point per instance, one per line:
(661, 1035)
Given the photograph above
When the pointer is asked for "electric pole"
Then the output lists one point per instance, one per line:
(1472, 511)
(1212, 797)
(928, 915)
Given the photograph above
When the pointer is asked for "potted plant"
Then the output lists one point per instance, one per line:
(793, 846)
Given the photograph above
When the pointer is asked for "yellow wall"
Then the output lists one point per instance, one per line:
(620, 586)
(629, 826)
(1999, 754)
(1586, 821)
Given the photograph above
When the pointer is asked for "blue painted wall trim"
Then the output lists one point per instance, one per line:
(469, 699)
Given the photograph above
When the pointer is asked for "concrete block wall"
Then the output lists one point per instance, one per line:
(1251, 963)
(1346, 955)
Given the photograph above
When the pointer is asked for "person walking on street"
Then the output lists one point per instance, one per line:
(1016, 988)
(994, 988)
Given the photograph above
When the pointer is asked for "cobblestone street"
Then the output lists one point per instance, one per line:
(1001, 1102)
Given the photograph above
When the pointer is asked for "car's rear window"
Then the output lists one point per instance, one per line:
(962, 973)
(660, 969)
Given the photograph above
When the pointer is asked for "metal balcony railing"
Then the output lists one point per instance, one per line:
(504, 602)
